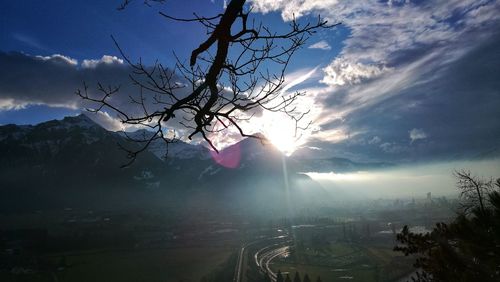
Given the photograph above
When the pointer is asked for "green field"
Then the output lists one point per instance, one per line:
(345, 262)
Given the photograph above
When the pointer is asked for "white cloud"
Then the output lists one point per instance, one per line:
(322, 45)
(106, 121)
(392, 148)
(375, 140)
(11, 104)
(59, 58)
(291, 8)
(86, 63)
(379, 31)
(417, 134)
(332, 135)
(341, 72)
(358, 96)
(106, 60)
(298, 77)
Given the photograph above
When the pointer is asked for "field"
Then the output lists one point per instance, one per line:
(181, 264)
(344, 261)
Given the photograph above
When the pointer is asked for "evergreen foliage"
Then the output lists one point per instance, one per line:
(467, 249)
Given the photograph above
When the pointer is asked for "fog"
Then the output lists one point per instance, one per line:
(405, 181)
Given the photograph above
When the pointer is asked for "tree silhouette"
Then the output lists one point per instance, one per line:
(306, 278)
(473, 191)
(216, 91)
(319, 279)
(279, 276)
(468, 249)
(287, 279)
(296, 278)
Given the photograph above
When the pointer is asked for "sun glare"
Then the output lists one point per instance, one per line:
(282, 142)
(281, 132)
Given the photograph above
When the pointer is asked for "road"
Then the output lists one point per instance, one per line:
(268, 256)
(261, 257)
(239, 265)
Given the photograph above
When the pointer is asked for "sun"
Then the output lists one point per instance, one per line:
(286, 144)
(281, 132)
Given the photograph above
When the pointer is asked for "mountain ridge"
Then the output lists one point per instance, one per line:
(74, 161)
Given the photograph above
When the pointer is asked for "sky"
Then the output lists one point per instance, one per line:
(397, 81)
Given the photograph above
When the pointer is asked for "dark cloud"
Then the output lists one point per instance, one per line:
(53, 80)
(454, 114)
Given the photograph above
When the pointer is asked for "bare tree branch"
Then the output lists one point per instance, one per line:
(222, 88)
(473, 191)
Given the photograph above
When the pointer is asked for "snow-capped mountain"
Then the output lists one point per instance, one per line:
(75, 123)
(164, 151)
(58, 152)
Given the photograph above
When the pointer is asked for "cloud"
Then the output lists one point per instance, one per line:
(27, 80)
(8, 104)
(58, 58)
(294, 8)
(392, 148)
(107, 121)
(417, 134)
(457, 105)
(29, 40)
(51, 80)
(298, 77)
(380, 30)
(341, 72)
(322, 45)
(375, 140)
(407, 65)
(106, 60)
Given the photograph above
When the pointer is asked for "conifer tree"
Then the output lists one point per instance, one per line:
(279, 276)
(296, 278)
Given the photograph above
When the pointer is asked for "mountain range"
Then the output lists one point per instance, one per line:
(76, 162)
